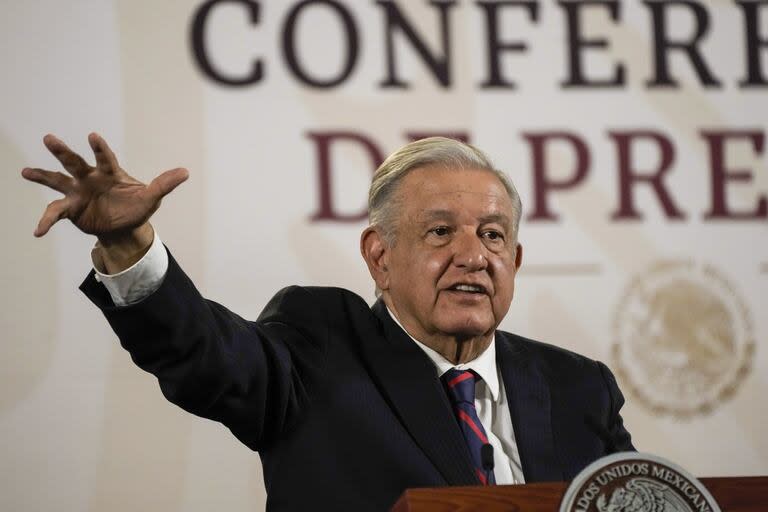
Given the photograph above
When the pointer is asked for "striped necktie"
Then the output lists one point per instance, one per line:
(461, 389)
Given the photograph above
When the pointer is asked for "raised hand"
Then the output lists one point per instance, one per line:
(103, 200)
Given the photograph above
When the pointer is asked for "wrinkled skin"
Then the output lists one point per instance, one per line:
(455, 227)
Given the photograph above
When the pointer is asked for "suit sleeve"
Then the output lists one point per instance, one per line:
(254, 377)
(619, 438)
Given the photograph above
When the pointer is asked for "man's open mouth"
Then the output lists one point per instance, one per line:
(470, 288)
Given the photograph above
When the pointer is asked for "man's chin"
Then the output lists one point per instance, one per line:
(467, 328)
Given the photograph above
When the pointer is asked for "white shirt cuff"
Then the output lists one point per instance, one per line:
(139, 281)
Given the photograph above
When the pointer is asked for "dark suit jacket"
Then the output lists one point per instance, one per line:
(344, 409)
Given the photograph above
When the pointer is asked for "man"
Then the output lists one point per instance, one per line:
(349, 405)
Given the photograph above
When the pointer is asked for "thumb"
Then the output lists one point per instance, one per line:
(166, 182)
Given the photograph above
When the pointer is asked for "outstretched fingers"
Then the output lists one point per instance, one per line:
(56, 211)
(72, 162)
(55, 180)
(166, 182)
(105, 157)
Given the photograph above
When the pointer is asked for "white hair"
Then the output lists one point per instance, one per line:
(383, 202)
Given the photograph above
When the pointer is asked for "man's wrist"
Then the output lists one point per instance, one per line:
(138, 281)
(118, 254)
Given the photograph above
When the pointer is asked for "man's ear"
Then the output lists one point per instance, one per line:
(518, 257)
(375, 251)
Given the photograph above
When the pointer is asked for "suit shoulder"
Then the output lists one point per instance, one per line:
(311, 303)
(327, 295)
(557, 359)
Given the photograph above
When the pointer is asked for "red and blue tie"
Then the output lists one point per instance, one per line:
(461, 389)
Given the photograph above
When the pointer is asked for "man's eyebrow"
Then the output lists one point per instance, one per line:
(498, 218)
(441, 214)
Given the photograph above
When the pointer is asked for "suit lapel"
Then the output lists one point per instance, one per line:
(530, 406)
(409, 381)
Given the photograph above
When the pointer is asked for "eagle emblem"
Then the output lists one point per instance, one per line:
(642, 495)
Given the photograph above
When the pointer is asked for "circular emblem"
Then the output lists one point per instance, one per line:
(683, 338)
(636, 482)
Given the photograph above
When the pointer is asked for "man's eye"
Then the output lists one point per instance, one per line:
(440, 231)
(493, 235)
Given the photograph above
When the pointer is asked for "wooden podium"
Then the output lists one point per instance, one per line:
(733, 494)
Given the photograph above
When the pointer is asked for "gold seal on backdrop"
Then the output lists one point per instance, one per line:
(636, 482)
(683, 338)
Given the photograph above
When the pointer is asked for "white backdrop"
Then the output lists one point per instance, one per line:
(674, 306)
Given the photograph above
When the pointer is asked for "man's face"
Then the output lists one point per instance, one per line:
(451, 271)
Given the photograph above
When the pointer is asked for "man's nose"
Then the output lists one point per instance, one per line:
(469, 252)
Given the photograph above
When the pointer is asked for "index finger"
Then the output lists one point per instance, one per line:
(72, 162)
(105, 157)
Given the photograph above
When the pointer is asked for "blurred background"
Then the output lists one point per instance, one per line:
(634, 131)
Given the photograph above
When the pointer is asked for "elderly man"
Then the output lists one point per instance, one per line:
(349, 405)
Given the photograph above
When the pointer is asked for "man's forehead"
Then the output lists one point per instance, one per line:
(430, 192)
(440, 176)
(447, 180)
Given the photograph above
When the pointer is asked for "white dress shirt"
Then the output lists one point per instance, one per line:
(138, 281)
(491, 406)
(142, 279)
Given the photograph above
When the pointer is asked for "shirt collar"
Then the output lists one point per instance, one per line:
(484, 364)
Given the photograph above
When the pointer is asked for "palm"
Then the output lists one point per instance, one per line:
(103, 200)
(109, 205)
